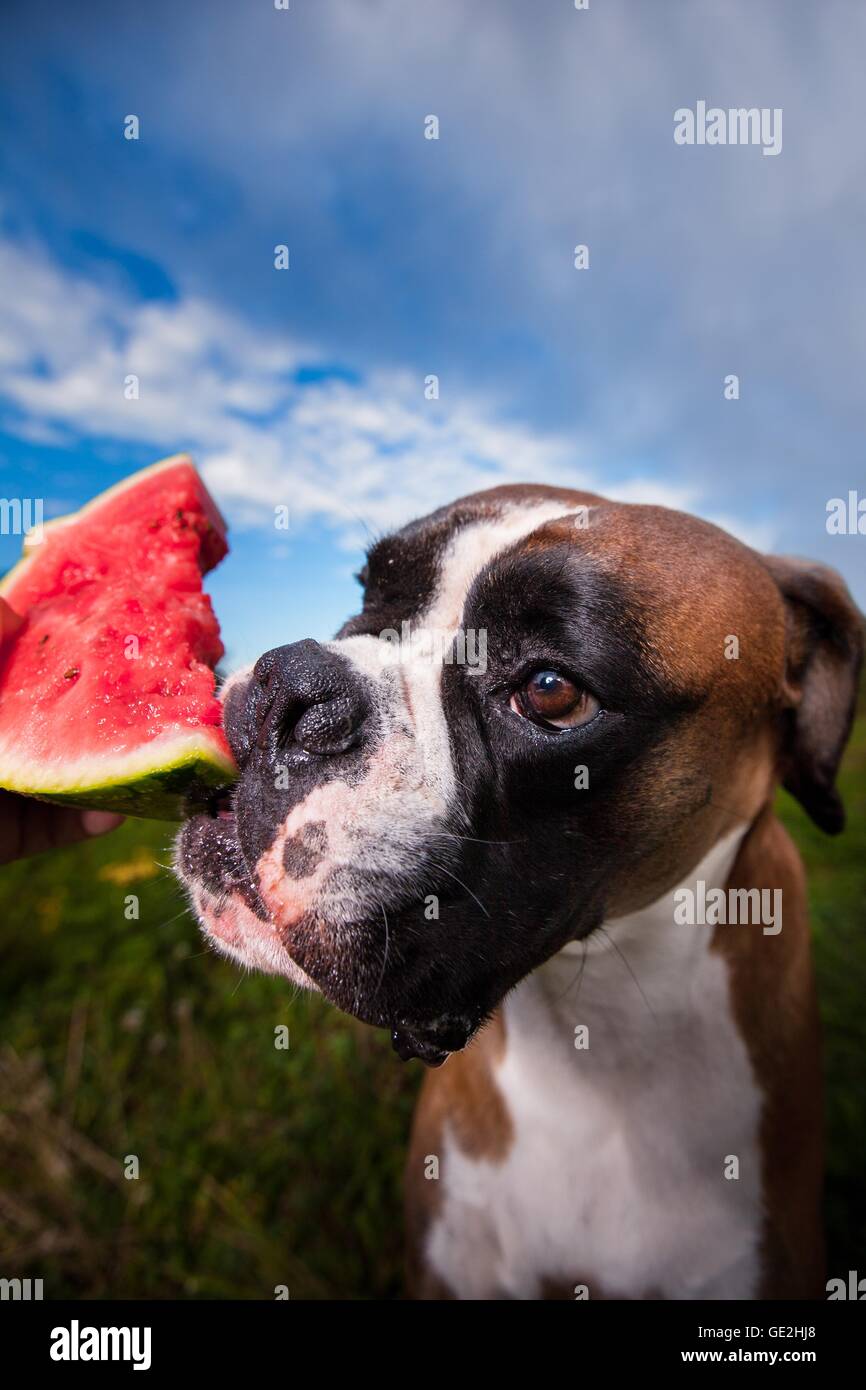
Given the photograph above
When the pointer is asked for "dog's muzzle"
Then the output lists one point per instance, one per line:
(317, 864)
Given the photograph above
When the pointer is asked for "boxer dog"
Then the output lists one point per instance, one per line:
(491, 861)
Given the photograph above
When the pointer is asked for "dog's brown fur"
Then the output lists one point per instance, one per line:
(779, 713)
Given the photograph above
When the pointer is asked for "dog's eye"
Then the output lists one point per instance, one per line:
(552, 700)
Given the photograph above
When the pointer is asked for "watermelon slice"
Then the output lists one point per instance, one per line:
(107, 696)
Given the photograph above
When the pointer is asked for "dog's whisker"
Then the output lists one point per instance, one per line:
(385, 954)
(615, 947)
(443, 870)
(472, 839)
(578, 978)
(184, 912)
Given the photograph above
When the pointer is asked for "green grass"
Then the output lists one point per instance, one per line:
(260, 1166)
(836, 869)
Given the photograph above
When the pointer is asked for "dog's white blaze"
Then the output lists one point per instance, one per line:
(471, 549)
(414, 700)
(410, 702)
(616, 1174)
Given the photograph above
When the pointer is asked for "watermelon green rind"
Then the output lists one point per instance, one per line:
(167, 776)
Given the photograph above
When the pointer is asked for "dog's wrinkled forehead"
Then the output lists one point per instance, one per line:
(427, 569)
(416, 587)
(471, 549)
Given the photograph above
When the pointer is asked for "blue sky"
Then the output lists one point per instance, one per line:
(410, 256)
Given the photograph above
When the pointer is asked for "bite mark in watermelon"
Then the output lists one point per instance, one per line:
(107, 691)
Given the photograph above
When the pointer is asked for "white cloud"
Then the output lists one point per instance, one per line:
(371, 454)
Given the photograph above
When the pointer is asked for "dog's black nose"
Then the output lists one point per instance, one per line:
(300, 696)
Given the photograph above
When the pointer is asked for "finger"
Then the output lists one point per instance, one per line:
(100, 822)
(30, 827)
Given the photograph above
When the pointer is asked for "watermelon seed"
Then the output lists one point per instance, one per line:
(44, 638)
(71, 673)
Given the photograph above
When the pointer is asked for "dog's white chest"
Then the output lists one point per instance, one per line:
(635, 1162)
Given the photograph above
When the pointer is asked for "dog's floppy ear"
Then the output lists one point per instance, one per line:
(824, 652)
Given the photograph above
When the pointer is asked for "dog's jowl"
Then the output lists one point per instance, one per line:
(486, 857)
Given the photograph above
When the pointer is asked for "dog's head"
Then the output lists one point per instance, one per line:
(549, 708)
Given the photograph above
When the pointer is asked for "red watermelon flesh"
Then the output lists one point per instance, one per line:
(107, 692)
